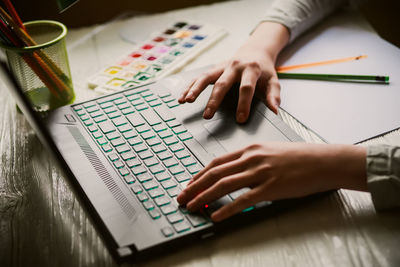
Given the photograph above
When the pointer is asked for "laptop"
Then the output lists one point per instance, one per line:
(127, 156)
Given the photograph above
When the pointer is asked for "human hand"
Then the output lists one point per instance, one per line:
(253, 66)
(275, 171)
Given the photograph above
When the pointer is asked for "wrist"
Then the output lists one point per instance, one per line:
(270, 37)
(347, 166)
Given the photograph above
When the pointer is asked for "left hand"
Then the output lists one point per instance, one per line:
(275, 171)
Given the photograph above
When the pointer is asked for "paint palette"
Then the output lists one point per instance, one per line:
(163, 54)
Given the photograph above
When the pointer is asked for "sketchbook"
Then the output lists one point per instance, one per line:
(343, 112)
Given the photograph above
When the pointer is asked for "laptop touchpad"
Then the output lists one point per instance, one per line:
(233, 136)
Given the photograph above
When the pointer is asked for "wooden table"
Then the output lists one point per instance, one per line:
(42, 224)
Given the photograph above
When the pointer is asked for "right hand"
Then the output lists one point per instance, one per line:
(253, 68)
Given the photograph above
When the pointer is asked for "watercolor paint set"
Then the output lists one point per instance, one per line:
(161, 55)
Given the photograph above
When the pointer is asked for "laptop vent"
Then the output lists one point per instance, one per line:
(102, 172)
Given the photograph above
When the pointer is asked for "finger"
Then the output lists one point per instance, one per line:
(221, 87)
(219, 189)
(181, 99)
(201, 83)
(273, 94)
(218, 161)
(246, 93)
(246, 200)
(209, 178)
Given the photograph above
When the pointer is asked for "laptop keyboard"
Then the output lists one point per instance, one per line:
(143, 141)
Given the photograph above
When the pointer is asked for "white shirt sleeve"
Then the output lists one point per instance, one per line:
(300, 15)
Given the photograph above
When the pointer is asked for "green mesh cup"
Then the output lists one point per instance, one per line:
(42, 71)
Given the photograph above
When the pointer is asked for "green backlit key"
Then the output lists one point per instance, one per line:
(119, 121)
(168, 184)
(144, 177)
(195, 168)
(164, 155)
(137, 189)
(129, 134)
(148, 205)
(140, 147)
(139, 170)
(161, 201)
(113, 135)
(159, 127)
(183, 177)
(147, 135)
(100, 119)
(102, 141)
(153, 141)
(173, 192)
(168, 209)
(185, 136)
(97, 113)
(156, 169)
(150, 185)
(196, 219)
(179, 129)
(170, 162)
(151, 162)
(188, 161)
(125, 128)
(117, 142)
(132, 162)
(163, 176)
(170, 140)
(182, 154)
(181, 226)
(128, 155)
(155, 214)
(97, 135)
(135, 141)
(176, 169)
(167, 231)
(106, 127)
(129, 179)
(175, 218)
(142, 197)
(176, 147)
(92, 128)
(106, 148)
(145, 155)
(113, 156)
(156, 193)
(159, 148)
(165, 134)
(142, 128)
(123, 171)
(123, 149)
(118, 164)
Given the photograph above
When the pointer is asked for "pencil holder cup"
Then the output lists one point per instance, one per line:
(42, 70)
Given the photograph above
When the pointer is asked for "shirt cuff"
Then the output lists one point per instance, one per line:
(383, 176)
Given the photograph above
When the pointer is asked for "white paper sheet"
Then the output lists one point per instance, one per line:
(344, 112)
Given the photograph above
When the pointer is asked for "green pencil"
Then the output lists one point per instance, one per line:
(333, 77)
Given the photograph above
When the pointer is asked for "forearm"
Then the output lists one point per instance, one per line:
(270, 37)
(345, 166)
(328, 166)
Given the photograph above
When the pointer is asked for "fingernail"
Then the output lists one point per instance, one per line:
(241, 117)
(215, 216)
(207, 113)
(190, 206)
(181, 197)
(189, 97)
